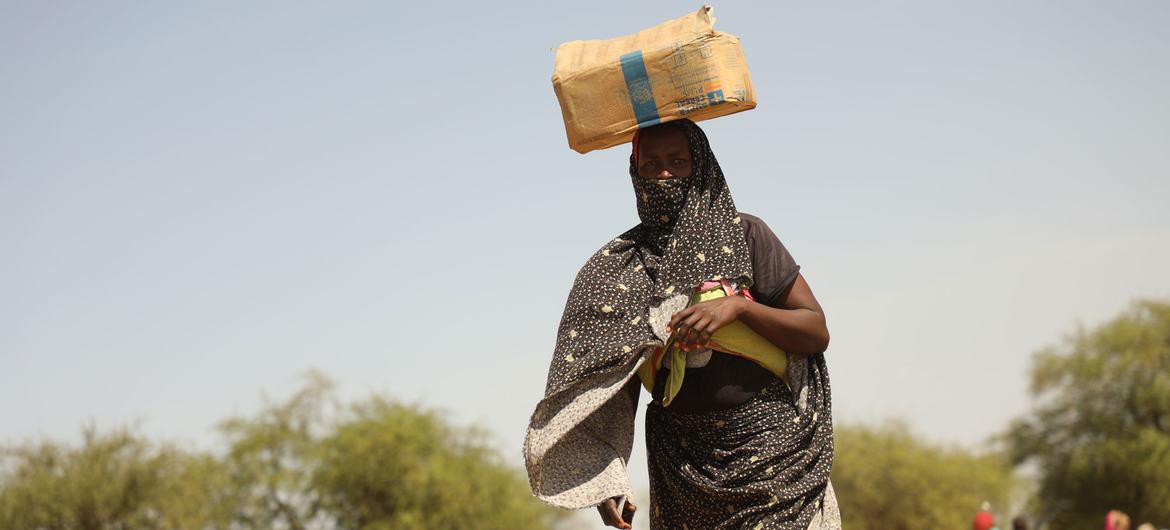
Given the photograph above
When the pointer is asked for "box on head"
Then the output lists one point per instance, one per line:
(682, 68)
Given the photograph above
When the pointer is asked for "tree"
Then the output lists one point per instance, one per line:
(273, 455)
(306, 463)
(886, 479)
(1100, 429)
(302, 464)
(116, 480)
(393, 466)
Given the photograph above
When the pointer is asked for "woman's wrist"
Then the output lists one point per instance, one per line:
(742, 306)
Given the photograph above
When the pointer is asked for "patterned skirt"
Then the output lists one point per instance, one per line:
(763, 464)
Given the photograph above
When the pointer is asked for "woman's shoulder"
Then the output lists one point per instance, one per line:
(773, 267)
(754, 227)
(749, 217)
(759, 235)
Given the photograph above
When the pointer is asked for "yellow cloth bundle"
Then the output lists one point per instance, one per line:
(735, 338)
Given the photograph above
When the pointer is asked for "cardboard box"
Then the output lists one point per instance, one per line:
(682, 68)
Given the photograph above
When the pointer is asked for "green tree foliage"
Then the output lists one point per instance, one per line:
(303, 464)
(1100, 430)
(273, 456)
(887, 479)
(113, 481)
(391, 466)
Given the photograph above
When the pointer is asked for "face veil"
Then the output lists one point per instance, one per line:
(690, 229)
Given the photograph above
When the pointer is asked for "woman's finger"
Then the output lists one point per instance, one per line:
(609, 513)
(697, 327)
(628, 513)
(615, 516)
(708, 334)
(680, 334)
(674, 320)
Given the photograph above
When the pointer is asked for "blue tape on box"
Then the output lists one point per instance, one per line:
(639, 89)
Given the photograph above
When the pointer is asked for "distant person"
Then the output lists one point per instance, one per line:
(983, 518)
(1116, 520)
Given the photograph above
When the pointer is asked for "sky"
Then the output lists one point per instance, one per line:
(201, 201)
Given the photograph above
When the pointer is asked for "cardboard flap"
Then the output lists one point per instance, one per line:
(576, 56)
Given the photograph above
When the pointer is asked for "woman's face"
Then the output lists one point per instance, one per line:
(664, 153)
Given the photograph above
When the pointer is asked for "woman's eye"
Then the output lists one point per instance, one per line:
(680, 161)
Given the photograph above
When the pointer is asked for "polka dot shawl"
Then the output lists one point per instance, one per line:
(581, 433)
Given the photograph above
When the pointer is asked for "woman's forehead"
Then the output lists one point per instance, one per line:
(664, 138)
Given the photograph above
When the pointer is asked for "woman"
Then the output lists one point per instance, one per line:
(730, 443)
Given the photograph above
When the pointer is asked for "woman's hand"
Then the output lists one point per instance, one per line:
(609, 513)
(694, 325)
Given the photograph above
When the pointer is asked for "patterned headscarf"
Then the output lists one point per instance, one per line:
(690, 232)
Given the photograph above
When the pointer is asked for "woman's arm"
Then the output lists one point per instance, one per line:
(797, 326)
(609, 508)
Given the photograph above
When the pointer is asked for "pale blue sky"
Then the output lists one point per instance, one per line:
(199, 201)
